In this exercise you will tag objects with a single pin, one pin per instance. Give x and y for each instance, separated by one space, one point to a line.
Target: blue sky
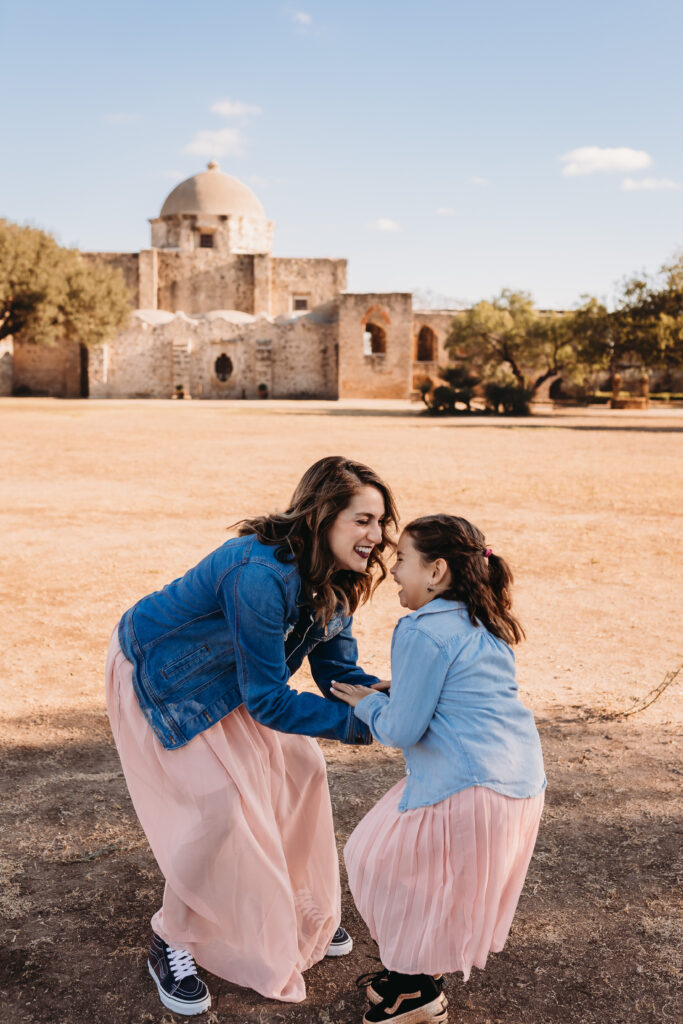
422 141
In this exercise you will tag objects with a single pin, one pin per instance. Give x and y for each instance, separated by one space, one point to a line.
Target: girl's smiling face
420 581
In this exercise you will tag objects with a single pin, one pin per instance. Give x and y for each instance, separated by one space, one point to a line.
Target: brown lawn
103 502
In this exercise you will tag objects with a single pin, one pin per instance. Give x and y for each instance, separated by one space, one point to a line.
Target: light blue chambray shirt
454 709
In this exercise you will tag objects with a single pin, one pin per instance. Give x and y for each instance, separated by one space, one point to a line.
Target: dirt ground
105 501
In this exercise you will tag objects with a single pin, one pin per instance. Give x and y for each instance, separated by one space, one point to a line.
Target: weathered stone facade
222 354
215 315
59 369
430 330
375 339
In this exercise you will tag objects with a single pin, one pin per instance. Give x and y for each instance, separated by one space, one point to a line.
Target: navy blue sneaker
341 944
176 978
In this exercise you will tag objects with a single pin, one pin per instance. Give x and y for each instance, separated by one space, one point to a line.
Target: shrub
508 399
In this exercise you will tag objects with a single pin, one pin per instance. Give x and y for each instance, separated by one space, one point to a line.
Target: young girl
437 866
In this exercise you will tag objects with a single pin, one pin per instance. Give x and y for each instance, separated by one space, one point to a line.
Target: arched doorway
426 345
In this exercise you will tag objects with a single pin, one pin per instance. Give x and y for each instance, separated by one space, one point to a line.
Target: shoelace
181 963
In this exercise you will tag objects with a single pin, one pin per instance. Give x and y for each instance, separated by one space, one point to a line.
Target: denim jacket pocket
179 669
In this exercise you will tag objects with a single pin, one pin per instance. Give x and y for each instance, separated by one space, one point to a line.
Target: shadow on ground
595 937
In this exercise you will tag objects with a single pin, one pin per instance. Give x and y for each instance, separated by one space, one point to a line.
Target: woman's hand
350 694
384 685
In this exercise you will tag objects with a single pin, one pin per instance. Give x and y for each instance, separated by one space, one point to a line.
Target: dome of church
213 192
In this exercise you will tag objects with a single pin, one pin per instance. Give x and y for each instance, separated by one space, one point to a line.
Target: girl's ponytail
500 581
480 579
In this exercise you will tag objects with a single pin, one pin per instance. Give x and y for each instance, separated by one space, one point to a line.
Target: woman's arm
253 601
338 659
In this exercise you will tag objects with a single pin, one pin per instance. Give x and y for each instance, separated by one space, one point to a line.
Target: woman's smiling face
357 530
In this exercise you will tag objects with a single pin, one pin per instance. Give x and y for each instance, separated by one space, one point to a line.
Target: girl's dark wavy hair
300 533
482 584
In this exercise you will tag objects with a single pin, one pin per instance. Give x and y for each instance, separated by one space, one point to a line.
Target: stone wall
230 233
138 363
318 280
200 281
294 357
439 321
383 375
47 369
305 360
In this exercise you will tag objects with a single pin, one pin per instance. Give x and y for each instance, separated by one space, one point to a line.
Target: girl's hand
350 694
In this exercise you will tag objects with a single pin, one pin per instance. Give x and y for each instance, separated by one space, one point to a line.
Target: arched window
223 367
374 340
426 345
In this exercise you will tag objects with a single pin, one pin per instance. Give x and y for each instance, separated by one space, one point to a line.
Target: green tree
508 340
644 329
48 293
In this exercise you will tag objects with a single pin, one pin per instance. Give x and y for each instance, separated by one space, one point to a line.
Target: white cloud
235 108
301 20
384 224
648 184
224 142
445 211
119 118
479 181
593 159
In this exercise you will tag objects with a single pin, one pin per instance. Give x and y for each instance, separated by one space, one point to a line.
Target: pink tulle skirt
240 823
438 886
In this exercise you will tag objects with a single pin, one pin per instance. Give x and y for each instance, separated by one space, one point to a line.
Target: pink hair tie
488 553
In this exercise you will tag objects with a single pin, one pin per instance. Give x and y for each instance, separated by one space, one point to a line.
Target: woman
229 788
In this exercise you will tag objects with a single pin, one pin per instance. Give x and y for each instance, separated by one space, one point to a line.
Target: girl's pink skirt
438 886
240 823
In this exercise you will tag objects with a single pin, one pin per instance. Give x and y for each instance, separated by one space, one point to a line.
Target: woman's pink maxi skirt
438 886
240 823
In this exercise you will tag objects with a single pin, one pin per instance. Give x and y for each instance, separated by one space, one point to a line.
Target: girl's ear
439 570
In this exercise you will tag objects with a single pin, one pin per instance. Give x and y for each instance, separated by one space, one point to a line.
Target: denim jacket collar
437 604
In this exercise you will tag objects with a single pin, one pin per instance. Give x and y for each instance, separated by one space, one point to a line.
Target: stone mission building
216 315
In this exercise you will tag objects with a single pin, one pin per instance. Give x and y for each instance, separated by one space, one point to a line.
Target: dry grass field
103 502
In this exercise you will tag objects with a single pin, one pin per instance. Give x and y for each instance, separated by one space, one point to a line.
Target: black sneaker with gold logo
409 999
375 984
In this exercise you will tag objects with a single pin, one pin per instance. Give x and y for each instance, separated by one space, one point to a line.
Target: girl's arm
254 604
418 665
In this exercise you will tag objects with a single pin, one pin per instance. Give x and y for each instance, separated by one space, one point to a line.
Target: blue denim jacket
454 709
230 632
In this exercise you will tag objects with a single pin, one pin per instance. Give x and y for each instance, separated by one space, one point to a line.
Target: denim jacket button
407 771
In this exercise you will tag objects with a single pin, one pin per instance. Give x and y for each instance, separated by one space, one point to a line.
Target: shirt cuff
365 707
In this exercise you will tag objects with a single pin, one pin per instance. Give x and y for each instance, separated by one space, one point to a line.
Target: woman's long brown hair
482 583
300 533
